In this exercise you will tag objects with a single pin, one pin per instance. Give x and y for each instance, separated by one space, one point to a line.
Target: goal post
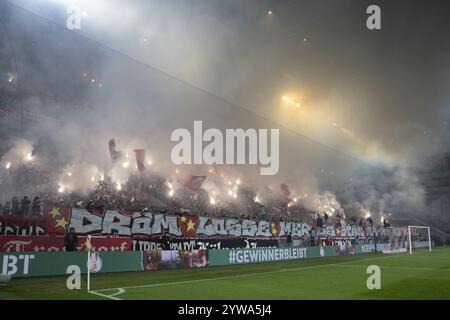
419 237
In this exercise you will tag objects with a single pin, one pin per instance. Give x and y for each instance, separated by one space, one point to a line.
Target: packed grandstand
139 214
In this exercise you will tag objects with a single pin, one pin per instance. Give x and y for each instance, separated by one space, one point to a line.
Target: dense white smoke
77 95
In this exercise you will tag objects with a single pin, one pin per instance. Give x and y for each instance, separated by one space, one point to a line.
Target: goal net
419 237
393 239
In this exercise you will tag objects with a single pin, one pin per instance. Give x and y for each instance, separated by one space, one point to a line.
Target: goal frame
409 237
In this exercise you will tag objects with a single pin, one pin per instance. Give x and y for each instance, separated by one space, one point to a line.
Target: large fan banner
56 222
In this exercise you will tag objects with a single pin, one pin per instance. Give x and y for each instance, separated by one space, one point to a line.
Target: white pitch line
233 277
213 279
104 295
119 291
388 267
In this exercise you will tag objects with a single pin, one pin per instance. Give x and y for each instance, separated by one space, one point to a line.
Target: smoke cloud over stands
373 104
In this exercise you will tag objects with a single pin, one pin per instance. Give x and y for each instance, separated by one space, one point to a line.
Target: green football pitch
422 275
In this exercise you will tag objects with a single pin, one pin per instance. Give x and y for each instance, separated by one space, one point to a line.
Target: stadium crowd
153 198
152 193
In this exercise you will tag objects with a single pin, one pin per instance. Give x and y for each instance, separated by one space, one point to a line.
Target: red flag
194 183
275 228
140 159
57 219
189 225
286 191
114 154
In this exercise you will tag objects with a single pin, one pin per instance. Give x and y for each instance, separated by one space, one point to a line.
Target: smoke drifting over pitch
373 104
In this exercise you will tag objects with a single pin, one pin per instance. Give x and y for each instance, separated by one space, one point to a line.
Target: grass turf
423 275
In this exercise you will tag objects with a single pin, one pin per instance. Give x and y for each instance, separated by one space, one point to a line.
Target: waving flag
115 155
140 159
188 225
57 219
275 228
194 183
286 191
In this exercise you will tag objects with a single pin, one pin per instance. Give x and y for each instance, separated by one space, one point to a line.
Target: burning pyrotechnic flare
212 201
171 192
290 101
29 157
126 164
61 188
118 186
8 165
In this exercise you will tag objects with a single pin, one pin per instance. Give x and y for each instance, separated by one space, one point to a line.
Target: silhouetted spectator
15 206
165 241
325 217
90 206
289 239
25 206
312 235
262 212
319 221
7 208
71 240
36 207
